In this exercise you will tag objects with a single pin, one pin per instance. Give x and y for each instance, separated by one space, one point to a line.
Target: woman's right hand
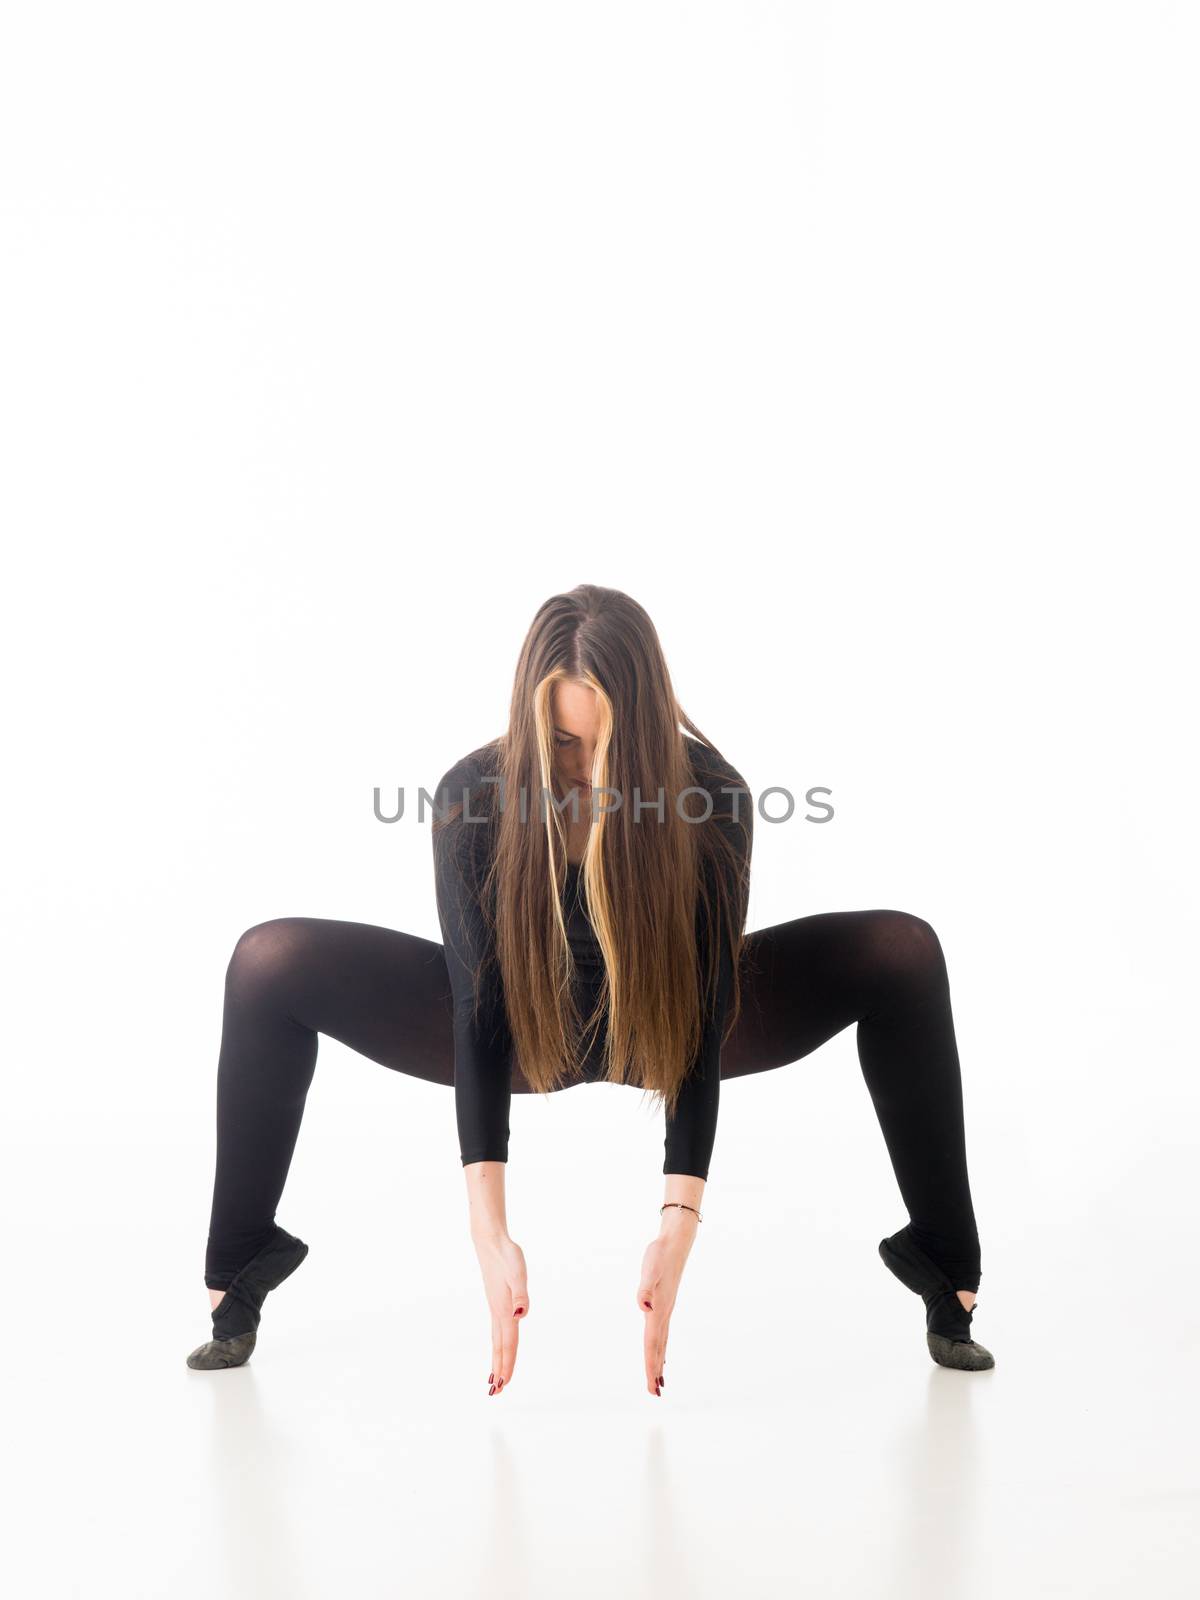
502 1262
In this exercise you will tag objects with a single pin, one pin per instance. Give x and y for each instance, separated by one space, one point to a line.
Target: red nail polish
500 1385
491 1377
492 1390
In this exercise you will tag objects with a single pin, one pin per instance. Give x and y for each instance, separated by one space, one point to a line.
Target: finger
653 1344
509 1338
508 1347
497 1355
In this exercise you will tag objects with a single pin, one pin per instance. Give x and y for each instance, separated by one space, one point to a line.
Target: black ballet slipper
237 1316
947 1322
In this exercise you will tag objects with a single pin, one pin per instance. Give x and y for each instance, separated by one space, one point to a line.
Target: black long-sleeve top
483 1048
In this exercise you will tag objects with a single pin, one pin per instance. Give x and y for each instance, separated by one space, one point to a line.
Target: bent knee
265 951
905 944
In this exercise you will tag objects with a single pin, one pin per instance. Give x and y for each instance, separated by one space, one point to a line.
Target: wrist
487 1224
485 1199
681 1190
677 1219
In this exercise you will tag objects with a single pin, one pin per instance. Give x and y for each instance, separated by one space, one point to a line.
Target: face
576 723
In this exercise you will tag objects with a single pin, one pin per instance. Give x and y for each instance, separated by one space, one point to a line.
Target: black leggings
386 994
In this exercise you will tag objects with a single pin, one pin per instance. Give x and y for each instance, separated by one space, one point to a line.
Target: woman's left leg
804 981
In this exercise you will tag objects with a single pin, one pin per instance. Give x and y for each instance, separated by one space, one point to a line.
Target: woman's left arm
662 1269
689 1143
691 1131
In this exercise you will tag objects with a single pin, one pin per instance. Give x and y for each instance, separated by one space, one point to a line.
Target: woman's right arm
482 1061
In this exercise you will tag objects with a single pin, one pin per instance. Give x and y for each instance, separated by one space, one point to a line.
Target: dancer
592 871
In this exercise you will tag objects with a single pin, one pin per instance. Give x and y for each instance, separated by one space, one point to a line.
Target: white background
859 344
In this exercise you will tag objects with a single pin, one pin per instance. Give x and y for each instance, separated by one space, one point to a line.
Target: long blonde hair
646 887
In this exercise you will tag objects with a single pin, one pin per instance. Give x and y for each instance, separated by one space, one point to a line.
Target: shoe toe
217 1353
964 1354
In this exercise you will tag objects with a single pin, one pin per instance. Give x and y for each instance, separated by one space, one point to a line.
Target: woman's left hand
662 1269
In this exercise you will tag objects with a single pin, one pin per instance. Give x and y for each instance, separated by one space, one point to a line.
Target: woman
592 872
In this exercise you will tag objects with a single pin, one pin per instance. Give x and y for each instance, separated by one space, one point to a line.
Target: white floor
805 1442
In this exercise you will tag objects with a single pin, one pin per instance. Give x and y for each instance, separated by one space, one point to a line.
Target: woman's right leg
384 993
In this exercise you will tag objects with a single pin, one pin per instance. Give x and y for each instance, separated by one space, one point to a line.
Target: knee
905 946
263 953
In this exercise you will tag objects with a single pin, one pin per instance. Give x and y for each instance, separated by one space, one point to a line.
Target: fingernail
491 1377
500 1385
492 1390
661 1381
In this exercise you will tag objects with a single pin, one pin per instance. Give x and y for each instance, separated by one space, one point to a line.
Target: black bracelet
682 1204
